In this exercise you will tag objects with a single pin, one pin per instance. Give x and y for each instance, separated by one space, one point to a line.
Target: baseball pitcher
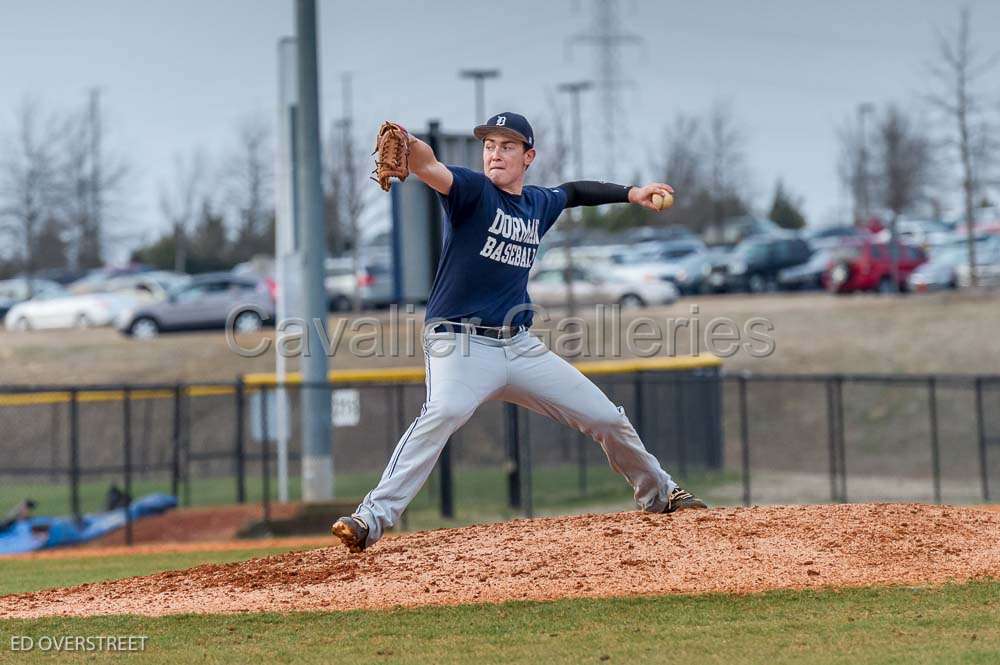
477 344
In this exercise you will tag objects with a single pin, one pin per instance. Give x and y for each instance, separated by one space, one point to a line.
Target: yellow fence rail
377 376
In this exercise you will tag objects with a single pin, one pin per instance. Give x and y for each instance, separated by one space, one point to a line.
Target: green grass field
953 624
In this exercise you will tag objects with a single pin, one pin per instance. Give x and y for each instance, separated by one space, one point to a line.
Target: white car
924 233
58 308
987 266
555 257
602 286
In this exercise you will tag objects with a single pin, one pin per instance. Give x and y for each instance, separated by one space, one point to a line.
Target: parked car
376 285
58 308
923 233
869 268
658 234
835 236
685 264
340 283
668 251
96 280
734 230
597 286
987 266
941 269
755 263
146 286
19 289
554 257
203 303
718 258
809 275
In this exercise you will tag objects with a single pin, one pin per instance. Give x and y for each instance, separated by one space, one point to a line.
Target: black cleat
352 531
681 499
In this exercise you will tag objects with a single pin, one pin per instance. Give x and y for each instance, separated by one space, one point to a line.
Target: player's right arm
425 165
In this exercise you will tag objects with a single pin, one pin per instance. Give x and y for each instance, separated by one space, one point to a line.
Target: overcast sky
177 75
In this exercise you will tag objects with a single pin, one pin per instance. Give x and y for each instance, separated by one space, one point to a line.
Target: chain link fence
732 438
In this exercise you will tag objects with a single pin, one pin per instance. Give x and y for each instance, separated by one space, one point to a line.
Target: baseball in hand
663 202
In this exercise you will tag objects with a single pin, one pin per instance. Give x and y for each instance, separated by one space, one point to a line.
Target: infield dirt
730 550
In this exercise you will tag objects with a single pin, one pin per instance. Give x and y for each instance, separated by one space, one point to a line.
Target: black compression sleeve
594 193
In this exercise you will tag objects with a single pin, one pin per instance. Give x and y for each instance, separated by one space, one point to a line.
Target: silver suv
206 302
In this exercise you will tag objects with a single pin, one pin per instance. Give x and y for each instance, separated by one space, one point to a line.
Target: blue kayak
39 533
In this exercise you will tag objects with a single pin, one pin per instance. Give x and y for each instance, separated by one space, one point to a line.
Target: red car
868 267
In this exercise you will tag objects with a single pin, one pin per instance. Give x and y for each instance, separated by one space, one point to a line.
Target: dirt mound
737 550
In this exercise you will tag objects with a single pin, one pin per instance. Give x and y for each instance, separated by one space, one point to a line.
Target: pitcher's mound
737 550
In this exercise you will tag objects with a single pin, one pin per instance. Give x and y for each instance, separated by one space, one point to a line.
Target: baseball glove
392 148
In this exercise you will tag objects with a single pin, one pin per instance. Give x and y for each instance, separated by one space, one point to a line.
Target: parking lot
939 332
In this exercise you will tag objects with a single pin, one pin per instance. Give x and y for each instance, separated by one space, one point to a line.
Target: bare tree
725 155
248 177
92 178
181 201
957 71
551 166
29 182
853 163
905 168
682 164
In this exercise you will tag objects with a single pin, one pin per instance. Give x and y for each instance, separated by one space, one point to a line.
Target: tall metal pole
480 76
574 89
287 257
317 463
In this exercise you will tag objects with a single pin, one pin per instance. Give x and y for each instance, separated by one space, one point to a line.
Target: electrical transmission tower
607 36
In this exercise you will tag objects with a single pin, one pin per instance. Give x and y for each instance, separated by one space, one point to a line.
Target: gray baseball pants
462 372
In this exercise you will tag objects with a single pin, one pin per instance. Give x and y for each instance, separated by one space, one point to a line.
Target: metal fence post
186 445
981 434
679 434
528 474
175 464
265 469
54 444
842 445
513 456
935 452
744 439
74 453
831 438
241 478
127 445
637 387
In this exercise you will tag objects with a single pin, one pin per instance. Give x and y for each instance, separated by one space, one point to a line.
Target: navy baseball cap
514 124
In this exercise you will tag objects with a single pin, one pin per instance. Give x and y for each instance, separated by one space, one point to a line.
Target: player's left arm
595 193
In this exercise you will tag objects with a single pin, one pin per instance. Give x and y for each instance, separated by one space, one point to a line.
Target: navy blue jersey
491 238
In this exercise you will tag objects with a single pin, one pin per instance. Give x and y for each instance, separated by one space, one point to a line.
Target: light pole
480 76
574 89
317 462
